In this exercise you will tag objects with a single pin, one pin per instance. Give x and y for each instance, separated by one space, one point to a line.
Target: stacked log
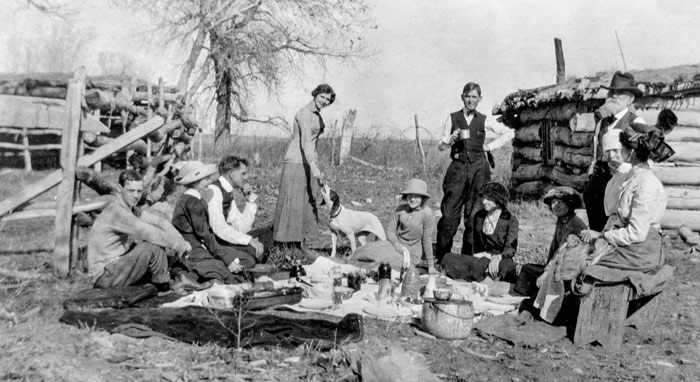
119 104
552 146
680 174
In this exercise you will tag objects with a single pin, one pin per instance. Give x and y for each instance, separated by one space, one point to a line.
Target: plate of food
315 304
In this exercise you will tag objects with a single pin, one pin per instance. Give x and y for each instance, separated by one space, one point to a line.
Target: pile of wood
554 128
115 104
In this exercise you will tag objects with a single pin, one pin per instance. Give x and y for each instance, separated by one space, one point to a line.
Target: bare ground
35 346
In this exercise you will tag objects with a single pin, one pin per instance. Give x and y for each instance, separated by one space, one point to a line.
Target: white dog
353 224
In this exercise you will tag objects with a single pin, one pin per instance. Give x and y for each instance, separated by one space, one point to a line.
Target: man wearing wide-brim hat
621 94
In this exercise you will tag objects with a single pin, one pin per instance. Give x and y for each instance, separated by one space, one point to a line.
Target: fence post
66 189
346 135
419 143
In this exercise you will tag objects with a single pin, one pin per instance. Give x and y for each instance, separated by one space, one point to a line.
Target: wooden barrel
448 319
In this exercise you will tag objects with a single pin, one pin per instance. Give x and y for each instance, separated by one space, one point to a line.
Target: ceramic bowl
442 294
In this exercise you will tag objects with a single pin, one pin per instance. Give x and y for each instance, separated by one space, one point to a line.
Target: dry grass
38 347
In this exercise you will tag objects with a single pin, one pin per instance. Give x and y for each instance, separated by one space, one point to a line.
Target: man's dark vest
227 197
474 148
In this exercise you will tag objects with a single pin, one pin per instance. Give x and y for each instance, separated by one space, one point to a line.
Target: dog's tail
378 229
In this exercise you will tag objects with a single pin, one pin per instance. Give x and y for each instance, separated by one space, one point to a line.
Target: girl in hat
412 226
495 240
562 201
411 230
209 258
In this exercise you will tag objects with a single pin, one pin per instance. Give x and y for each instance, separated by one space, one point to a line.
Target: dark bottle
384 271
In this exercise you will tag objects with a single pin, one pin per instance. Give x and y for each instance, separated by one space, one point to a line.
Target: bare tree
240 46
119 63
60 50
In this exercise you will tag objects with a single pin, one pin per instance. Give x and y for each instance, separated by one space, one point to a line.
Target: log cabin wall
554 128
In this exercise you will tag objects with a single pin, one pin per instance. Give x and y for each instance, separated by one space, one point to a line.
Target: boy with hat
562 201
621 94
125 245
464 133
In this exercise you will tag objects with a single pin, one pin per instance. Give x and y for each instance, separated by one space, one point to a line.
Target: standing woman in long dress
296 215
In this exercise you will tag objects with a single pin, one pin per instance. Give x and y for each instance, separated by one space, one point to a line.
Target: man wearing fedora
616 115
464 133
230 223
126 247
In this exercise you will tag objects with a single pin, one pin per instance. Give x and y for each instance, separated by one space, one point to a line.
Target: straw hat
192 171
416 186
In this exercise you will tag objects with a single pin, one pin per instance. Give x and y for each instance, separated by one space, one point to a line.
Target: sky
426 50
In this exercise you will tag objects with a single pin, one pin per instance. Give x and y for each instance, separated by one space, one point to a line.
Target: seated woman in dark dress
495 240
209 259
562 201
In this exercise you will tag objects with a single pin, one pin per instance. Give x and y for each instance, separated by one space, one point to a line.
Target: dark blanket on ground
519 331
201 325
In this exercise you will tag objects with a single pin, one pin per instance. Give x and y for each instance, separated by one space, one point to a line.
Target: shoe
183 284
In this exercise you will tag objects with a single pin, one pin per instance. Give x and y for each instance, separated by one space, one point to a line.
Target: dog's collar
336 212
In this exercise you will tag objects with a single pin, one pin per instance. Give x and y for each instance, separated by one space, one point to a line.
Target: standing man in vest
621 93
228 222
464 133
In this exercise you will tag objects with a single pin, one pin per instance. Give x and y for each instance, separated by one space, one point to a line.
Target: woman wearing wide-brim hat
563 202
209 258
410 230
495 240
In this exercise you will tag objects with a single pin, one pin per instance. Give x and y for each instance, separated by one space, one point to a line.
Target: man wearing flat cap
464 133
621 94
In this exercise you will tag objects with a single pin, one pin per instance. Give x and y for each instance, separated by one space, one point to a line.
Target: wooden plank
601 316
25 146
27 154
66 190
51 212
15 130
561 65
51 180
678 176
42 113
674 219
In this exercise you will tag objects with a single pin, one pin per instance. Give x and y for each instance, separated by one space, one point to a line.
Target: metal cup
463 134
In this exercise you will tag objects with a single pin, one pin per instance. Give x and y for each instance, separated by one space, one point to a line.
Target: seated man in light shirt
127 247
229 223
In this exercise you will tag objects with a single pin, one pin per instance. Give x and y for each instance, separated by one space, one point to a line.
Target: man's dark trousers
461 192
594 196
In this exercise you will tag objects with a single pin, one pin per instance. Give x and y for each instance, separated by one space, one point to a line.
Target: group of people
210 235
